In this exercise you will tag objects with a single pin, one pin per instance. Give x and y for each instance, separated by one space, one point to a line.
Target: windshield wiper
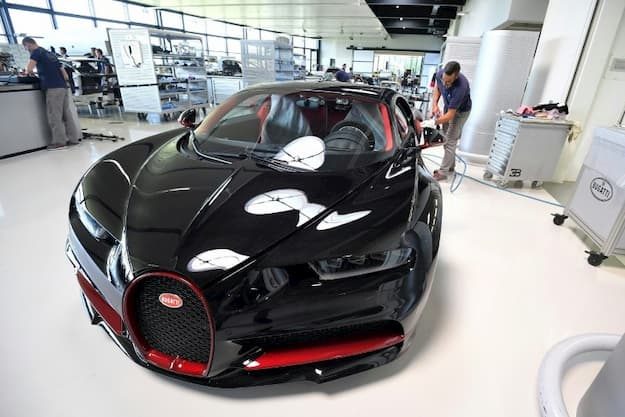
203 155
274 164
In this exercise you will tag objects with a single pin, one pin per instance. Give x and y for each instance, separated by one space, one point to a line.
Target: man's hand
436 111
431 123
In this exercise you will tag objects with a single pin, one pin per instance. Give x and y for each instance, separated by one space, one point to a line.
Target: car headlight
94 228
351 265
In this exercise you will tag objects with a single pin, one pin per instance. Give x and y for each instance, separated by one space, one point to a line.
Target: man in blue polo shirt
456 92
60 109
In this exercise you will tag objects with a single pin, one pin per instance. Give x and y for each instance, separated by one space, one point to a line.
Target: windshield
350 130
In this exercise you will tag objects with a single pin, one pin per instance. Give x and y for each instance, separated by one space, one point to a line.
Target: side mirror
431 138
187 118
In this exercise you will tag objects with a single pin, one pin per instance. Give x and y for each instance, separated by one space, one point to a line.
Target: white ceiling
324 18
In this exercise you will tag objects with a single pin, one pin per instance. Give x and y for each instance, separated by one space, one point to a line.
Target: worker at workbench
60 108
456 92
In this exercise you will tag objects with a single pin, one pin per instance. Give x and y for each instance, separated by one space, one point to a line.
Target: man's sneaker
73 143
56 147
438 170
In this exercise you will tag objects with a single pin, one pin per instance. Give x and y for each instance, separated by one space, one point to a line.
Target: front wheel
433 217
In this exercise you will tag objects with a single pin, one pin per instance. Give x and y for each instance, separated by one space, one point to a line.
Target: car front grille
286 339
183 332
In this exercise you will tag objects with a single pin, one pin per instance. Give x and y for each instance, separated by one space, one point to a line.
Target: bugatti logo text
601 189
170 300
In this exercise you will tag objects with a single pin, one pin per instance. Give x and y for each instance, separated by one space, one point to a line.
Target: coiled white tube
553 366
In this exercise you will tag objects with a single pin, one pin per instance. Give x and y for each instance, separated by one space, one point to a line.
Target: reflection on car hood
197 216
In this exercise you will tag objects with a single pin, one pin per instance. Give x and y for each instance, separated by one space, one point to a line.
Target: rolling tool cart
598 203
526 149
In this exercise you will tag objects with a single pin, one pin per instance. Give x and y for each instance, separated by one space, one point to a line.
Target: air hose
460 176
553 367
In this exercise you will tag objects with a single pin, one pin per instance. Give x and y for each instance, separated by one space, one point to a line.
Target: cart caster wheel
487 175
518 184
596 259
503 184
558 219
537 184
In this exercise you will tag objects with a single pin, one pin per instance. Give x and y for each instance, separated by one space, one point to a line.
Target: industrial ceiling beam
428 31
455 3
414 12
414 24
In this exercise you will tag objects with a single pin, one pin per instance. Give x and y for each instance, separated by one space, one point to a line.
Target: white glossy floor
509 286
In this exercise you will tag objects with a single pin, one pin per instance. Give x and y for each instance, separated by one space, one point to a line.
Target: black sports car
291 235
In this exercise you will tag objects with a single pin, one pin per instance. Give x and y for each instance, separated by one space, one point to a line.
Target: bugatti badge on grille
170 300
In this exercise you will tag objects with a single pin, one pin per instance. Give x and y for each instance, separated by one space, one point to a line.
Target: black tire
433 216
558 219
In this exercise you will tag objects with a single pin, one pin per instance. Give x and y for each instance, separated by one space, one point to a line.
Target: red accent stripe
319 352
108 314
158 358
175 364
388 131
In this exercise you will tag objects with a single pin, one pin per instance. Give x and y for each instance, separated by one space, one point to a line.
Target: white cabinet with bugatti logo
598 203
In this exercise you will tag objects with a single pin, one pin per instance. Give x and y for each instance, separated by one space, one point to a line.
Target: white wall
563 66
528 11
482 16
597 97
337 48
559 49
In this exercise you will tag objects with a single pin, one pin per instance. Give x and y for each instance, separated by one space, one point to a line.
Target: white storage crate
598 203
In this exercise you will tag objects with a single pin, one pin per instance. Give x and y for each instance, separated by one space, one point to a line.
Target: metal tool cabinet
598 203
526 149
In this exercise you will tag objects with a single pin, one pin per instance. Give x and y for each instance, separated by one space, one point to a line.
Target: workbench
23 120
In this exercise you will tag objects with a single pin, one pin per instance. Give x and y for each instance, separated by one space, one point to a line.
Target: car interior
345 123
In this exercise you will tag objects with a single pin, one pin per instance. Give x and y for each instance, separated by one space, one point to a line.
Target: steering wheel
350 134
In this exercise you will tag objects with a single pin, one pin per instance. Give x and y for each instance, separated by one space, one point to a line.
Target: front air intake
170 321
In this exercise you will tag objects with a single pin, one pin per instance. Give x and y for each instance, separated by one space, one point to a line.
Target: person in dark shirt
61 112
342 76
456 92
91 54
104 65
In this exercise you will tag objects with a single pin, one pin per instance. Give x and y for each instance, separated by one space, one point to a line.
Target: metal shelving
167 81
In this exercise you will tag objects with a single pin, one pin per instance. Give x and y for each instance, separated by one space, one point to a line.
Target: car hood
203 217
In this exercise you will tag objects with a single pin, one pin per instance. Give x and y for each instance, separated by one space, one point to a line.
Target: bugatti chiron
290 235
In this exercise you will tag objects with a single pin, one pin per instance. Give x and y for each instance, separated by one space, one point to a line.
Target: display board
362 62
132 56
144 99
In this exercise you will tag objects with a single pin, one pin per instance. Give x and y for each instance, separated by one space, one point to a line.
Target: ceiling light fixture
397 7
401 18
403 27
